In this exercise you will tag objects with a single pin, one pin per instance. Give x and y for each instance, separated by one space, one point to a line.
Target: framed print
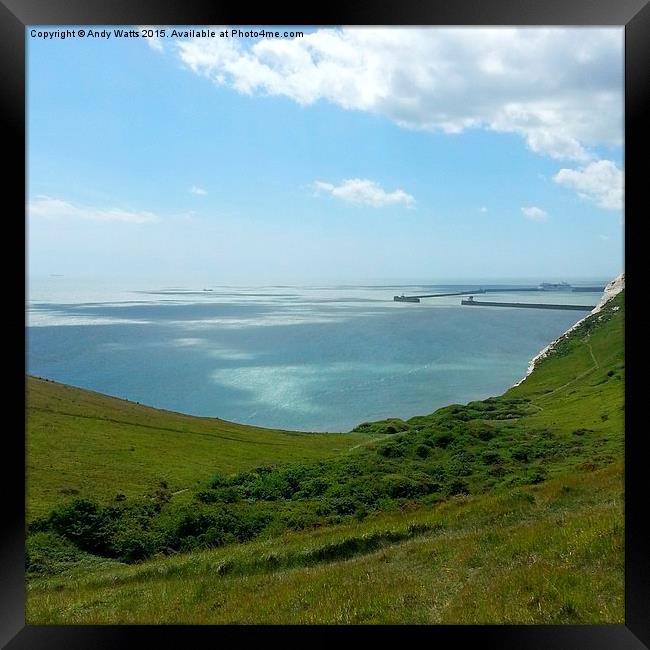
325 323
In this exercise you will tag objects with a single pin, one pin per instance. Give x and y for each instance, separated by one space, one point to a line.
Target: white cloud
50 208
198 190
561 89
600 182
483 209
366 192
154 42
534 214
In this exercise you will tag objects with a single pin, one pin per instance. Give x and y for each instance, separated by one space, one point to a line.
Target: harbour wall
526 305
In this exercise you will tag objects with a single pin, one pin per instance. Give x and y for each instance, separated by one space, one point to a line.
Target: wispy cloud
600 182
365 192
534 213
198 190
51 208
483 209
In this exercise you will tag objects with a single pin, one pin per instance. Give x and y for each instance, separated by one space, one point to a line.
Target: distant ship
555 286
404 298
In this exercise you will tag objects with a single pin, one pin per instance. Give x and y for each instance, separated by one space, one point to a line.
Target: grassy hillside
550 553
81 442
504 510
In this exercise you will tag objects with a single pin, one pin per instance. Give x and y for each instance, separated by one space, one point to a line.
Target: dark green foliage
85 524
136 532
131 539
387 427
482 430
520 454
312 487
392 450
491 457
536 476
209 496
49 552
457 486
443 440
396 487
422 451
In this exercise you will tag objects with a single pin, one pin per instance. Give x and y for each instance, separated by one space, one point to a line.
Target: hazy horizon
206 282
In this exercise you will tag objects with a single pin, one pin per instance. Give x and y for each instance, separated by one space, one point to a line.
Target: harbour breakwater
525 305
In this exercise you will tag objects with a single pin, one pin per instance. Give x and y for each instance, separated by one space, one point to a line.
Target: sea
317 358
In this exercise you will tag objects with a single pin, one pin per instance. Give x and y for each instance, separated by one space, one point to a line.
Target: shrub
388 427
48 553
131 542
398 487
291 478
480 429
85 524
491 457
391 450
207 496
312 488
299 520
460 464
265 487
345 506
220 495
208 529
457 486
443 440
520 454
422 451
538 475
218 481
161 495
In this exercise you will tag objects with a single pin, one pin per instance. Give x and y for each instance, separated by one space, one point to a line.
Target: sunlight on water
318 358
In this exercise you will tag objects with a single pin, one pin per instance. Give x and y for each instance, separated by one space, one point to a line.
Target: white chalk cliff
611 290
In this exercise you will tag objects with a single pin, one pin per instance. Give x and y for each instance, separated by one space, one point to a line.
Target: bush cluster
455 451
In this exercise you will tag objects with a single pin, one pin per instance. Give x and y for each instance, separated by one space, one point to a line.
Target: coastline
611 290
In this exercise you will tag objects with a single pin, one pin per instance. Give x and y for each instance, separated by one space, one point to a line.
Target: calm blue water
313 359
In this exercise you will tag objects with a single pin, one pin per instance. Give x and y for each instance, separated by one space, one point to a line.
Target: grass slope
81 442
508 510
551 553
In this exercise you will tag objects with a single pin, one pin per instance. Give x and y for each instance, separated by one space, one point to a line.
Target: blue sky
344 156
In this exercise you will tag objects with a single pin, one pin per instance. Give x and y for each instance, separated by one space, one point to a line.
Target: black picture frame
634 15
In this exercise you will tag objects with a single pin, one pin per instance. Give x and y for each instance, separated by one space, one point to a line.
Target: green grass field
508 510
81 442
